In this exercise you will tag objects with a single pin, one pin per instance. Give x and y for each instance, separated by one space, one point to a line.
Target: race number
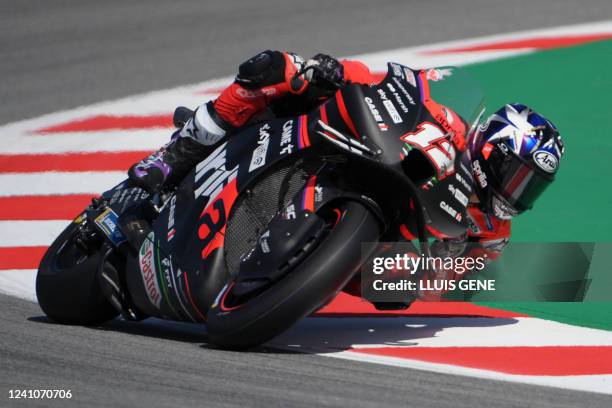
436 144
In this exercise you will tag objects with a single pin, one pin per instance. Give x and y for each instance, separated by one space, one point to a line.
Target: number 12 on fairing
435 143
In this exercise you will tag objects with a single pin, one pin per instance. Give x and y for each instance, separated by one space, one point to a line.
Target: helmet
514 157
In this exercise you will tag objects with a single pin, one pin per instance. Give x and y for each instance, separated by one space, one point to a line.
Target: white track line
83 142
30 233
19 283
53 183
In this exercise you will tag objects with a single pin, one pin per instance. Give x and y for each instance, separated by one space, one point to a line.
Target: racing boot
165 168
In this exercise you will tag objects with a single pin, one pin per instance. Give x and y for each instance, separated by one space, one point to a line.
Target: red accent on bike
521 360
222 301
345 115
323 111
406 233
64 207
339 215
195 307
439 112
228 196
111 122
308 203
21 257
305 134
486 150
101 161
435 232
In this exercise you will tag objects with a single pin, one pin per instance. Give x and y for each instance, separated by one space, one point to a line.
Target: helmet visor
519 184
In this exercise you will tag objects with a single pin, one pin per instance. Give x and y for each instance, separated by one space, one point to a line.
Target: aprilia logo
212 170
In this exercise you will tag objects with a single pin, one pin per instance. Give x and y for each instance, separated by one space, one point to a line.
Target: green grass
572 87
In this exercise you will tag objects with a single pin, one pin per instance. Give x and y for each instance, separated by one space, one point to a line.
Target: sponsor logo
318 194
171 230
375 113
432 141
397 70
214 174
501 209
546 161
289 213
259 154
450 211
285 143
398 99
458 194
147 270
410 78
404 91
437 74
107 221
463 181
472 225
395 116
504 148
481 178
167 270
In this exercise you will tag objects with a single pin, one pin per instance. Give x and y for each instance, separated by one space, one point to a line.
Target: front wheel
320 275
67 285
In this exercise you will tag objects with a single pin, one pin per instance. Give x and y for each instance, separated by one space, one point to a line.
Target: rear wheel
238 322
67 284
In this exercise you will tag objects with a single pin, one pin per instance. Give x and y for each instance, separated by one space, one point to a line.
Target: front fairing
412 124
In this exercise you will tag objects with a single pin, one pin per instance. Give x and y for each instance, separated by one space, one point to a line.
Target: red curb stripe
21 257
350 306
555 360
63 207
542 43
111 122
99 161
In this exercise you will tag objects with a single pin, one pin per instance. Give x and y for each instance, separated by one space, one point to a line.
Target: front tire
319 277
67 283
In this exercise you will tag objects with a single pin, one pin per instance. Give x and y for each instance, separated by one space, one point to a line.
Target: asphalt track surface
61 54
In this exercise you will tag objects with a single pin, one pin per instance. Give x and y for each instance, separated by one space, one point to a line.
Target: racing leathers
262 83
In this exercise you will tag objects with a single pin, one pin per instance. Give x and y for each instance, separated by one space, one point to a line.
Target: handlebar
337 84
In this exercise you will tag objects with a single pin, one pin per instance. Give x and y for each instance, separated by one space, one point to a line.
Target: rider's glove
328 72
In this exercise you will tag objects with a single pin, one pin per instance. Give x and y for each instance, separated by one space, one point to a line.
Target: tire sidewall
72 296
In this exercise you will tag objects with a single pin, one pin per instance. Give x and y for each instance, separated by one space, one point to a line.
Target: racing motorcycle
268 228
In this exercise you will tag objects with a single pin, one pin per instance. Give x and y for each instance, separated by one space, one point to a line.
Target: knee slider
264 69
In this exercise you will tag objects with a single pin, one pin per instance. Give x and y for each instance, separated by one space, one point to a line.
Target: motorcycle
268 228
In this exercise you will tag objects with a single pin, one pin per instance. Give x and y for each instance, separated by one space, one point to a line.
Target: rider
513 155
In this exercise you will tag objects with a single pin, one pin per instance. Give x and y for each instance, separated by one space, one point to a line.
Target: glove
328 71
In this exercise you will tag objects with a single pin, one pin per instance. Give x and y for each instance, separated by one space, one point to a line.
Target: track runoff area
52 165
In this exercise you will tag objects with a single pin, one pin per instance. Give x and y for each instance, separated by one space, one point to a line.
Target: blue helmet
515 155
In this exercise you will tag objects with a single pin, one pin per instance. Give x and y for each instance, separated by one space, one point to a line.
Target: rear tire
319 277
67 283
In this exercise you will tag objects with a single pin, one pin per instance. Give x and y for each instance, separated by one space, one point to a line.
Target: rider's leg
266 77
166 167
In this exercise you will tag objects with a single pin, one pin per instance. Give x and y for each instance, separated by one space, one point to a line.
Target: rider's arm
262 79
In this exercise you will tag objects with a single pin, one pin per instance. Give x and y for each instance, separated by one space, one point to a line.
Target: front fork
116 236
